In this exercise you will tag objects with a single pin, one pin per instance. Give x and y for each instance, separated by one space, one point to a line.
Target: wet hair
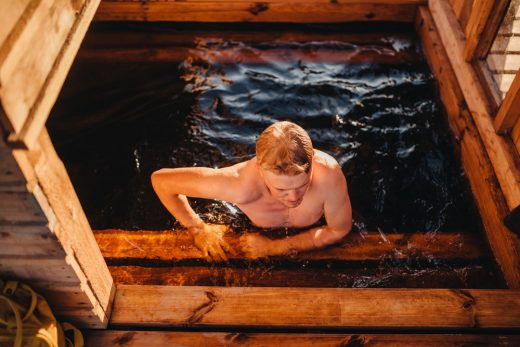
284 148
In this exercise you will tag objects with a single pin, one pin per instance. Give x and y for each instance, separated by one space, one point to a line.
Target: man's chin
292 204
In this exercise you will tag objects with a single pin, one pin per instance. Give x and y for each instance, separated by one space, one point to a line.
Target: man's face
289 190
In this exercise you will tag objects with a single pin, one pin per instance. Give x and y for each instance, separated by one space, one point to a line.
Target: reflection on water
372 106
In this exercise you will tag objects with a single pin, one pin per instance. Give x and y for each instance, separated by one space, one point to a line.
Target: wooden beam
462 9
118 246
132 338
488 83
238 55
503 156
429 275
509 112
34 68
488 195
491 29
278 11
166 306
479 16
156 35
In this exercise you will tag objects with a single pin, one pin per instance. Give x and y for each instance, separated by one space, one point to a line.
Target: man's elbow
156 179
341 233
334 235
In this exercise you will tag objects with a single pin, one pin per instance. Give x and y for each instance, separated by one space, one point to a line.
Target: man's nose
292 195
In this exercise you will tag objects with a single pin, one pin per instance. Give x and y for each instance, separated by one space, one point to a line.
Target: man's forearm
179 207
311 239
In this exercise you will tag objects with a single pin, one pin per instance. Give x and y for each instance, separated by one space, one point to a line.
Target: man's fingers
209 259
228 248
221 253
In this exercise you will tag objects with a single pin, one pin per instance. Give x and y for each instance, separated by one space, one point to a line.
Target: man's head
284 154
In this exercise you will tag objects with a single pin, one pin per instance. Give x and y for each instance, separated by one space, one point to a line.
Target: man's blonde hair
284 148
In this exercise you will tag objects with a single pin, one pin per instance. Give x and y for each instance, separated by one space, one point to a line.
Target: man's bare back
270 199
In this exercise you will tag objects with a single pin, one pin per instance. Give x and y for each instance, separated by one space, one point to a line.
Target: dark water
118 122
372 105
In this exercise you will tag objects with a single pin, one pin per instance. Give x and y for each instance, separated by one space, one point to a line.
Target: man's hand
255 246
209 238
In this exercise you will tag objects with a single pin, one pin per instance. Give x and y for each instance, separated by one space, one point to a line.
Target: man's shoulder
325 162
246 180
326 169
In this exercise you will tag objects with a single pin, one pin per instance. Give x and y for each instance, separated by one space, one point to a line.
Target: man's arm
338 214
173 185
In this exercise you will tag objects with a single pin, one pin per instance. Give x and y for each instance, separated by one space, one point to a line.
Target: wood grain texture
515 135
132 338
165 306
509 112
72 228
292 11
239 55
479 17
491 29
172 246
503 156
484 185
82 12
319 276
462 9
25 67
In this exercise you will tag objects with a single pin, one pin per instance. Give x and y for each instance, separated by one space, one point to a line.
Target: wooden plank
499 63
509 112
488 83
172 246
478 19
488 195
37 269
24 69
27 240
320 276
505 44
132 338
84 11
72 228
462 9
451 95
293 11
515 135
20 207
511 28
166 306
10 15
238 55
11 178
156 35
504 81
504 158
488 35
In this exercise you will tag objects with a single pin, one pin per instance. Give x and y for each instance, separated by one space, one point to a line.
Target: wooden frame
257 339
27 60
57 213
502 154
293 11
161 306
509 112
488 195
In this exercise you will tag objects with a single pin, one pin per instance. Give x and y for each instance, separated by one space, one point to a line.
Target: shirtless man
287 184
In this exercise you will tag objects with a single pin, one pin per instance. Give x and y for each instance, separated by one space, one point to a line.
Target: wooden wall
488 59
44 235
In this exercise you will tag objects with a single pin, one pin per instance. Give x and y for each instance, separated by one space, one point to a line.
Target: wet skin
268 199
